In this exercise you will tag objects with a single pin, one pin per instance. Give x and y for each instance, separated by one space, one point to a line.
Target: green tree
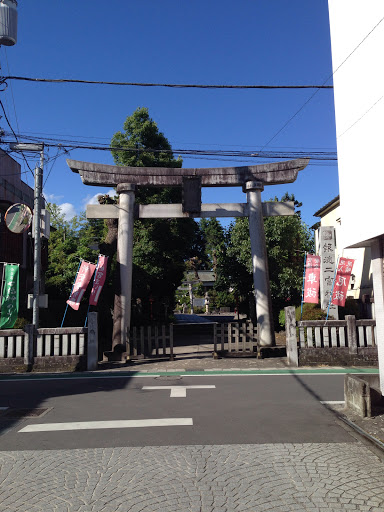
69 242
161 247
287 239
213 240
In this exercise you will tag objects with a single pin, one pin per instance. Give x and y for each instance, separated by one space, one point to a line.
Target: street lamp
39 148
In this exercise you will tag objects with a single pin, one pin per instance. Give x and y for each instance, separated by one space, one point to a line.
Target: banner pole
2 286
302 290
333 285
66 309
93 282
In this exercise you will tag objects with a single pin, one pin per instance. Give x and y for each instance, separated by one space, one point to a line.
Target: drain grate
26 413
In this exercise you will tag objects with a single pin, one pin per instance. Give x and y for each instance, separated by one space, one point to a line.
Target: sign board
327 268
45 224
43 301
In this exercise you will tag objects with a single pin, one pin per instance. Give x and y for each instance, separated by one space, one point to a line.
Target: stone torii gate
251 178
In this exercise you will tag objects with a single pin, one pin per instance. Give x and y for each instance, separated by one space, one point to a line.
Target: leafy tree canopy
161 247
141 144
287 239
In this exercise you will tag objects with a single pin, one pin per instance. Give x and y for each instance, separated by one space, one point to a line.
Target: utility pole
37 238
38 190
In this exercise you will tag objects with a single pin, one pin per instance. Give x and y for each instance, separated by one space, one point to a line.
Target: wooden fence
148 341
236 338
348 341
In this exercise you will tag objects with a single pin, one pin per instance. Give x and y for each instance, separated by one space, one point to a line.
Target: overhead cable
323 85
175 86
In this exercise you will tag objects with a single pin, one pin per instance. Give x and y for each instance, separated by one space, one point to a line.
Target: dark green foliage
351 308
69 243
310 312
161 247
287 238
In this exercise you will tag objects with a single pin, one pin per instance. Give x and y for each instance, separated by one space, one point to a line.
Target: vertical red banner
84 275
340 287
312 279
98 283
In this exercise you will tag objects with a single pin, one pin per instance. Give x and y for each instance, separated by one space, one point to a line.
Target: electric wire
14 134
328 156
325 81
361 117
175 86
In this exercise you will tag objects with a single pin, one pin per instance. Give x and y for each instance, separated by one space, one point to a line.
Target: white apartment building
357 41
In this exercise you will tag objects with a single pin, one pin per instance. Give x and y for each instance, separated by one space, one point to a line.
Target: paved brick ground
253 478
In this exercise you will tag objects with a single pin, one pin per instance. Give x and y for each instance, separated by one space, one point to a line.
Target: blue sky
176 41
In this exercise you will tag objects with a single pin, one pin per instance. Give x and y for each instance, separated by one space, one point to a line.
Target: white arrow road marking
91 425
178 391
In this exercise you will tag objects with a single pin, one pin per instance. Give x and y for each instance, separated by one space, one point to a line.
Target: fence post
215 355
29 344
92 348
172 357
351 333
291 338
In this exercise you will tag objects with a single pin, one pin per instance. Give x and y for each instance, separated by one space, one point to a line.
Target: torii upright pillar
122 313
265 329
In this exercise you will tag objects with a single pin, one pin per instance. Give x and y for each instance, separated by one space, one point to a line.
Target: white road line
332 402
177 391
92 425
208 374
81 377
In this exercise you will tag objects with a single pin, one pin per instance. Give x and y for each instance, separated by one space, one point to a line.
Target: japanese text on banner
98 283
312 279
82 280
343 275
10 300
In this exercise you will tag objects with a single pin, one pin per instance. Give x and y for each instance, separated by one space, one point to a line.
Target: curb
182 373
362 432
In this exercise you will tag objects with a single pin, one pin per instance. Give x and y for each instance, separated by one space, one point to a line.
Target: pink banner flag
343 275
82 280
312 279
98 283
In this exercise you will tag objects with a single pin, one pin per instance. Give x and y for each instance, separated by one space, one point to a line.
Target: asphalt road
243 444
255 409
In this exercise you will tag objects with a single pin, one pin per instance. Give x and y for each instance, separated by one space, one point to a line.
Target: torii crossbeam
251 178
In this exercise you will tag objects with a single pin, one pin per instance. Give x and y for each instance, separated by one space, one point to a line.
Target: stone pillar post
260 264
126 193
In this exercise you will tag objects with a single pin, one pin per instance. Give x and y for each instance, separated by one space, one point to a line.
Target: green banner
10 301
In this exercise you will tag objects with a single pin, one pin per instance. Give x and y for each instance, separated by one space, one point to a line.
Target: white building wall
357 42
361 284
357 56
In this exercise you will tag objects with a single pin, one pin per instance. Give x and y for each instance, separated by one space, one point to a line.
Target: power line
323 85
314 155
14 134
14 109
361 117
175 86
